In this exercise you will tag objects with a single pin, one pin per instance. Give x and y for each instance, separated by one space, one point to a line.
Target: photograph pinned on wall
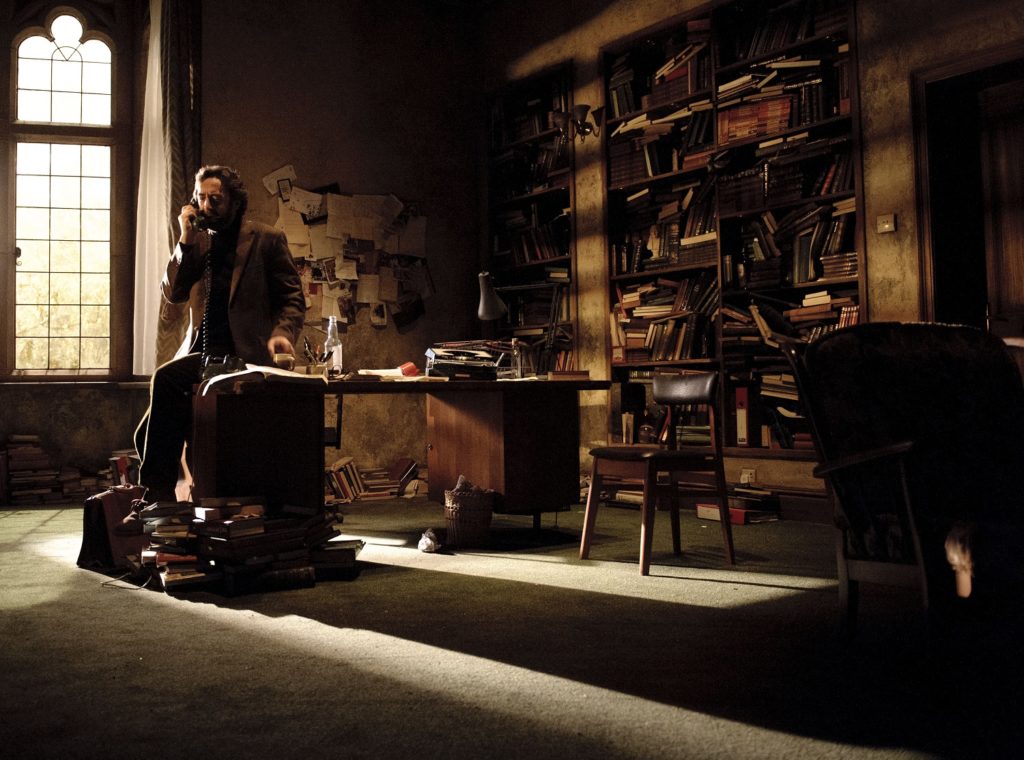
315 212
344 292
284 189
328 269
272 181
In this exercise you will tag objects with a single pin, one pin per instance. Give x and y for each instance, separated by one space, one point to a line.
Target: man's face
215 204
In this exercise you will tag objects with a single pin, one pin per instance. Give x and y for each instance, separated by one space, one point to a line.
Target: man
244 299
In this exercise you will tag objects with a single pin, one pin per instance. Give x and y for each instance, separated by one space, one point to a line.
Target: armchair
919 430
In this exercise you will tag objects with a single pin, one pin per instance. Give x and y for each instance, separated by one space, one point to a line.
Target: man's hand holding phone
190 219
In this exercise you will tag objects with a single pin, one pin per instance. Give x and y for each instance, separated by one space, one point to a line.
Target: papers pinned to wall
366 250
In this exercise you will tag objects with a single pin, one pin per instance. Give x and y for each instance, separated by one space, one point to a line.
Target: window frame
113 25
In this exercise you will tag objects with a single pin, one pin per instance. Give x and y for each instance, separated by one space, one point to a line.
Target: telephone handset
200 221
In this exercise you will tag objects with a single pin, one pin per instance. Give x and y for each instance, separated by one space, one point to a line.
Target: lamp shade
491 305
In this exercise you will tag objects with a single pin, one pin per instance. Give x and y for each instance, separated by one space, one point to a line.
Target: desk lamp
491 306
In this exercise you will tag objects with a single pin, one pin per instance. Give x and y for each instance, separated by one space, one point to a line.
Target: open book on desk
262 372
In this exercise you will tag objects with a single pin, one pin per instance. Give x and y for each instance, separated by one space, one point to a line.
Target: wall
372 96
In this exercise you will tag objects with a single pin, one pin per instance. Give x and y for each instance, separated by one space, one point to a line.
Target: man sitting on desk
244 299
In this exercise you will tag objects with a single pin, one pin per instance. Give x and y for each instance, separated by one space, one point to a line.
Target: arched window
65 142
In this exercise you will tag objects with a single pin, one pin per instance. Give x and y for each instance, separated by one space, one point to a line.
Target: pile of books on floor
233 543
29 474
747 504
346 482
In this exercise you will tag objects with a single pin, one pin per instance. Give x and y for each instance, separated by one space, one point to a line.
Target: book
737 515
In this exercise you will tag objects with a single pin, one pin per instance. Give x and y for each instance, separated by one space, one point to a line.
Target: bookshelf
733 205
530 218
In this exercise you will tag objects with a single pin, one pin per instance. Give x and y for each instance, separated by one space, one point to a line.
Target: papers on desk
264 372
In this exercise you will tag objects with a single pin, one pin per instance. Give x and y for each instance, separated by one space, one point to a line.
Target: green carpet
516 650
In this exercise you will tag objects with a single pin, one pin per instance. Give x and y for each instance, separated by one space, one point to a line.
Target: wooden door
1002 146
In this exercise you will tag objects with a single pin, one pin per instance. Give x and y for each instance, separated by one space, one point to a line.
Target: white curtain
152 236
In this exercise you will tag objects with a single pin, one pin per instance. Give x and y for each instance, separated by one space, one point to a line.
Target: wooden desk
519 438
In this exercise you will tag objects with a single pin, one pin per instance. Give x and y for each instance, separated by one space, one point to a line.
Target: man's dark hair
229 181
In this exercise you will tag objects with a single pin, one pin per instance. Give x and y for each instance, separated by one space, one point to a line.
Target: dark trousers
166 426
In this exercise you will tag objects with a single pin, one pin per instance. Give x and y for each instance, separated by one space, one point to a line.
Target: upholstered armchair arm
870 456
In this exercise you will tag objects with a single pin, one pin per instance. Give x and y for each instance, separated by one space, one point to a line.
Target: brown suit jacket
266 292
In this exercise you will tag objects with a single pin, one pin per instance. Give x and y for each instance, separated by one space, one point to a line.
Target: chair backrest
953 391
689 388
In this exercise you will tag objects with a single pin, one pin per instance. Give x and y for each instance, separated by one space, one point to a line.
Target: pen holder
316 368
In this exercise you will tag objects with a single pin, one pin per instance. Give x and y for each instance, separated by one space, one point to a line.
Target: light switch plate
885 223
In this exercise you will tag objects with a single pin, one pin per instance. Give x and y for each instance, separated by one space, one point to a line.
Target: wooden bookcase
733 204
531 218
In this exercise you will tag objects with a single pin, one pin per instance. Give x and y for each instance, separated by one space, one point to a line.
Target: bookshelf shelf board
660 109
532 196
541 262
661 177
660 272
818 42
819 199
815 125
545 134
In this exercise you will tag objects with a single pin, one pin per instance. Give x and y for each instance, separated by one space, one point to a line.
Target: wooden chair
918 431
686 470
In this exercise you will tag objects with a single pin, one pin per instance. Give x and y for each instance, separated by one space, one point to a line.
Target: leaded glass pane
95 225
65 256
65 224
33 158
96 78
95 192
33 191
96 321
67 108
31 353
34 74
65 321
32 320
33 105
96 288
65 288
35 255
33 223
96 110
95 161
67 75
64 353
32 287
66 160
94 51
95 353
66 192
96 257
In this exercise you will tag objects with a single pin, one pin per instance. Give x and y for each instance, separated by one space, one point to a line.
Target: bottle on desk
333 348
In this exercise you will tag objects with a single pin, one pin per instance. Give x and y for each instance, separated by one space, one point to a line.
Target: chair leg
723 515
673 511
647 511
590 515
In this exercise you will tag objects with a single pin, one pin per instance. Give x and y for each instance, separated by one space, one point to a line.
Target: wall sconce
491 306
576 124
